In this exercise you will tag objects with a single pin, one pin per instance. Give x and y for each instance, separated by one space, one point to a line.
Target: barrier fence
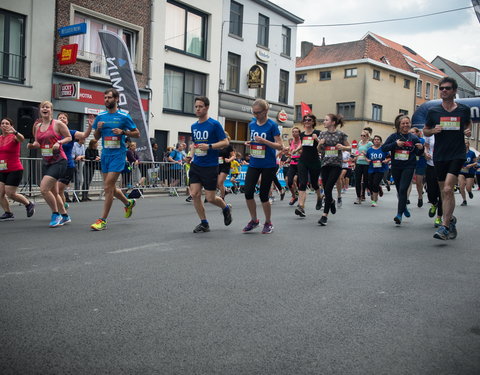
152 177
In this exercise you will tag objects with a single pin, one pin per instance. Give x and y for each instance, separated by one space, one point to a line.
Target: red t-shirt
9 154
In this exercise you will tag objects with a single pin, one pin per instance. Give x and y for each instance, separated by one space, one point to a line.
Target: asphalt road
147 296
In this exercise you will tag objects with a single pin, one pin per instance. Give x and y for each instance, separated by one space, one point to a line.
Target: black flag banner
120 70
476 6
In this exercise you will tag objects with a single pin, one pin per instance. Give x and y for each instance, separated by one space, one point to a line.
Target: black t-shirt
450 142
224 153
309 147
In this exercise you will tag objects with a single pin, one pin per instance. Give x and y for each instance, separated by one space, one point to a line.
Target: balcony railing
12 67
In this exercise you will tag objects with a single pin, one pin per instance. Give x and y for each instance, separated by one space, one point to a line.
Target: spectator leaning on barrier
78 154
92 159
176 159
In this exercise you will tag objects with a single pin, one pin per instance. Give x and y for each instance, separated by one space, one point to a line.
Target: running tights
330 176
433 189
251 179
374 180
361 179
304 170
402 179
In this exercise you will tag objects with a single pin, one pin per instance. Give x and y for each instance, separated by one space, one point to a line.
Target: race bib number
377 163
330 151
47 151
450 123
307 141
464 170
111 142
199 152
220 160
361 157
258 151
3 165
402 155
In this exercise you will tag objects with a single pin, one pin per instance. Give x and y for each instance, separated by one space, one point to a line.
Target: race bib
258 151
307 141
3 165
464 170
450 123
402 155
199 152
47 151
377 163
361 157
220 160
330 151
111 142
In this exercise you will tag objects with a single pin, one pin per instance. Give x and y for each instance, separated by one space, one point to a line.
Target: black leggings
402 178
361 179
275 180
433 189
292 172
374 180
304 170
251 179
330 176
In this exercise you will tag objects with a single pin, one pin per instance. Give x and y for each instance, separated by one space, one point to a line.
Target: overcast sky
455 35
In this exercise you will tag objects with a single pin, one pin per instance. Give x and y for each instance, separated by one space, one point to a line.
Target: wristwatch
210 146
15 132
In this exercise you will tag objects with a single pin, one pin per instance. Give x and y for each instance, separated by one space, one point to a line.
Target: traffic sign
70 30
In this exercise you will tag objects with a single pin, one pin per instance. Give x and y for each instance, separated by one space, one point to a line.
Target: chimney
306 47
323 42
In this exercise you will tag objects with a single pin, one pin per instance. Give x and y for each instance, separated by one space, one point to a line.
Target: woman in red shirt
11 169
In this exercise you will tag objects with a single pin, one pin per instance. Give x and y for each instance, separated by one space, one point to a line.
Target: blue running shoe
398 219
441 233
66 219
452 230
56 221
406 212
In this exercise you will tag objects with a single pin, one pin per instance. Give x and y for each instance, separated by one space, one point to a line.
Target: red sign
68 54
282 116
67 90
354 144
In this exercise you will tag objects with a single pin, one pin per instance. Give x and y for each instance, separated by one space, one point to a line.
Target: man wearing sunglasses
450 122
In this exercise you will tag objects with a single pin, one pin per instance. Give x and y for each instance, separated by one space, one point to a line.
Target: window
236 19
376 112
233 72
12 47
403 112
352 72
263 25
286 40
283 88
261 91
406 83
90 47
326 76
419 88
346 109
298 112
393 78
301 78
435 92
376 75
427 90
185 29
180 87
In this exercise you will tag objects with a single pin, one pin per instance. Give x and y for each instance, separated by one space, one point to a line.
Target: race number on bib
3 165
47 151
330 151
377 163
402 155
307 141
220 160
450 123
199 152
258 151
111 142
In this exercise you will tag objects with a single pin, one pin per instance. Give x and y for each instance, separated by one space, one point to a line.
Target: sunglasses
363 135
446 88
307 120
258 113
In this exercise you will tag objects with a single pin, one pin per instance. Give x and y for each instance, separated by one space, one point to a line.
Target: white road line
157 245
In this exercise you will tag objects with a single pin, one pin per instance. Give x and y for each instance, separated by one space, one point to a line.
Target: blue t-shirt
261 155
470 156
114 144
421 161
210 131
177 156
376 157
68 149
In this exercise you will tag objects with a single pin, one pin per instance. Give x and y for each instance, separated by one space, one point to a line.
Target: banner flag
305 109
120 70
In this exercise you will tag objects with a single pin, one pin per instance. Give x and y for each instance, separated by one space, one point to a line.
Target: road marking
147 246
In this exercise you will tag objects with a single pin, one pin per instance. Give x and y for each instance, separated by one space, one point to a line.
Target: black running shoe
319 204
470 195
300 211
420 203
333 209
201 228
227 215
323 221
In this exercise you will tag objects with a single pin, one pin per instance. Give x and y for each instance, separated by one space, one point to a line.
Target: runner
65 180
264 140
48 137
466 178
419 178
11 169
433 189
343 179
292 179
112 126
450 122
361 166
331 144
378 160
309 165
208 137
404 148
225 157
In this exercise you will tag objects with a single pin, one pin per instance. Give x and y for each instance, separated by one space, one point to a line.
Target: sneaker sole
98 229
9 219
299 213
440 237
397 220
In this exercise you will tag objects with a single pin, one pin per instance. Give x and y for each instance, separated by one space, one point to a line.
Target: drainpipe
150 64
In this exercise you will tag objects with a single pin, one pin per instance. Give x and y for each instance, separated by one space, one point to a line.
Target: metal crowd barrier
152 177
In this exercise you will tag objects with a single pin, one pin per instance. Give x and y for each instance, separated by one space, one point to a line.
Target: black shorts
56 170
205 176
468 175
442 168
70 172
349 172
224 168
11 178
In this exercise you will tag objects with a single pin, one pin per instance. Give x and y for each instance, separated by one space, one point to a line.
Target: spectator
92 159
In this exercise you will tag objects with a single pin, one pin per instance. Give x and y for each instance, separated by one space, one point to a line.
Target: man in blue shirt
208 137
112 126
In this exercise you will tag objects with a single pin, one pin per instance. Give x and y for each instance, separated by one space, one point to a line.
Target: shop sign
282 116
255 77
67 90
263 55
68 54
